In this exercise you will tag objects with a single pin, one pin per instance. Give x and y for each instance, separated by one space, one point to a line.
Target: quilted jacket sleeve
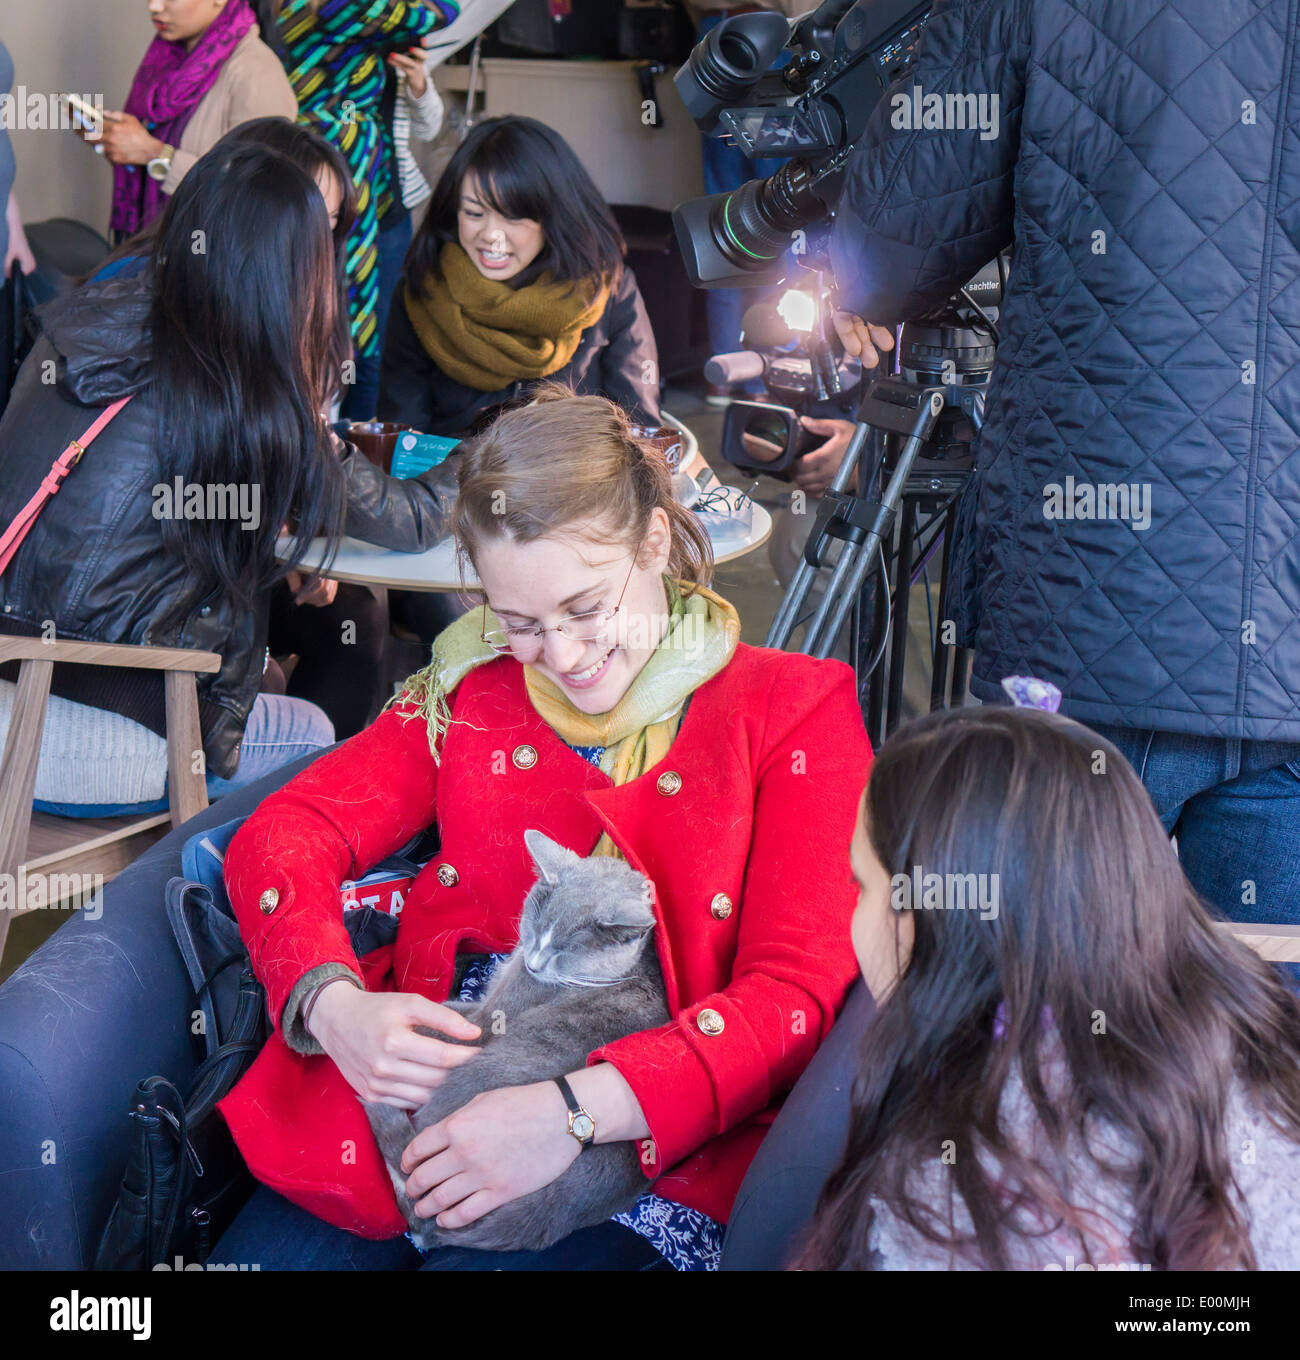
340 816
925 208
794 957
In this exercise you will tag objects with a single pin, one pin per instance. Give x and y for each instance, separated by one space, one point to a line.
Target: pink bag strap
50 483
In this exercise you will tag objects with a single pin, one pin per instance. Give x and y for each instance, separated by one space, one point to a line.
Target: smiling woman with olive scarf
516 275
611 704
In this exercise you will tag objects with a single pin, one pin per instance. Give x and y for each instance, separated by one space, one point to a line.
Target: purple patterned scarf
164 94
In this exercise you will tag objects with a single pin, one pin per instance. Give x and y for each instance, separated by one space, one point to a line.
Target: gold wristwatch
581 1125
161 163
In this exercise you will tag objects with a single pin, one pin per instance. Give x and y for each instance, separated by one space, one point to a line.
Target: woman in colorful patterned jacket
335 53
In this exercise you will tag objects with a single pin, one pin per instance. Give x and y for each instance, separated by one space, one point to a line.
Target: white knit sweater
1265 1163
92 756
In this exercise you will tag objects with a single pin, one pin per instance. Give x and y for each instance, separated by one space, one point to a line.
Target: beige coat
251 84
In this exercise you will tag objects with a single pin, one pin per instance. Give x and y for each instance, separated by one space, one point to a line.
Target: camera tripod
921 478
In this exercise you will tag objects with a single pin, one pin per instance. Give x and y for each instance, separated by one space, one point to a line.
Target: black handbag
184 1180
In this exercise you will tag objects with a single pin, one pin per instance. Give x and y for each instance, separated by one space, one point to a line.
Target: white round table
436 568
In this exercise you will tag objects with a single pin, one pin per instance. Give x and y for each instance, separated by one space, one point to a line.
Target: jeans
274 1234
279 729
1234 807
363 396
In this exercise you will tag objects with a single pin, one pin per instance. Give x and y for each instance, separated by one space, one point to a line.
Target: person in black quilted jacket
1132 529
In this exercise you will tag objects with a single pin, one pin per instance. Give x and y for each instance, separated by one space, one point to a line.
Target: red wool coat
748 849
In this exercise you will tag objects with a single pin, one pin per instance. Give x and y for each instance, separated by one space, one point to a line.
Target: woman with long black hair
227 345
516 275
1072 1064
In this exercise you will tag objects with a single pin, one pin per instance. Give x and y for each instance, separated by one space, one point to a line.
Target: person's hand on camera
372 1039
861 338
815 470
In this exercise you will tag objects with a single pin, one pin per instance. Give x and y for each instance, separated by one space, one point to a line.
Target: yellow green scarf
487 335
703 632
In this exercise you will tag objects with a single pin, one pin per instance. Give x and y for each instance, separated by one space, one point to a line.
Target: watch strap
569 1098
575 1109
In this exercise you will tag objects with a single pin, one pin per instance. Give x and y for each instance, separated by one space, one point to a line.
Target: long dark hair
525 169
245 310
1154 1012
307 149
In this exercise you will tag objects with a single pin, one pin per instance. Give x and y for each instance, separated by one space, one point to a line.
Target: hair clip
1026 692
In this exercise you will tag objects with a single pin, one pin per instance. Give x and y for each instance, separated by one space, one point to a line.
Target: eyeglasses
526 642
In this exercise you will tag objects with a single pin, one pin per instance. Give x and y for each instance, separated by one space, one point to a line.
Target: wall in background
86 47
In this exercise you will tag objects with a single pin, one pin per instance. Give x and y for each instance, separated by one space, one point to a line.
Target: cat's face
585 921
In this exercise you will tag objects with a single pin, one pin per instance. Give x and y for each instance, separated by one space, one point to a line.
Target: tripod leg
943 650
850 575
902 595
875 716
960 672
787 614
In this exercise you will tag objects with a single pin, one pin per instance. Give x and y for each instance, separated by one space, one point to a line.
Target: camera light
798 310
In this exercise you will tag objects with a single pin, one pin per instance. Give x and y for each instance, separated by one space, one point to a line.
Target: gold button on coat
710 1022
525 757
668 783
721 906
269 900
447 876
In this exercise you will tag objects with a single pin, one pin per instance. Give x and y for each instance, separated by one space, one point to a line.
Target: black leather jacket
94 563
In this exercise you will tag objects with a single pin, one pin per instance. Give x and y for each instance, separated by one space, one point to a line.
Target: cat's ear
633 911
549 856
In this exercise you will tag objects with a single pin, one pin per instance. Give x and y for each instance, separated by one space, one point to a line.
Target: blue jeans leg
279 729
271 1233
274 1234
1234 807
361 398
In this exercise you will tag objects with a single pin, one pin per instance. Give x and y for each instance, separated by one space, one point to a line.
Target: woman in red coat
606 700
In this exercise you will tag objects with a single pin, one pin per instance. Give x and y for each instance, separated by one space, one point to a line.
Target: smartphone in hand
85 117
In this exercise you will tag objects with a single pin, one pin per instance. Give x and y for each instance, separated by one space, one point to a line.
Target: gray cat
584 974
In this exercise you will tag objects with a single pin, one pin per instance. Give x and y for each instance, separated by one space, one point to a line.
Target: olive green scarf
487 335
703 632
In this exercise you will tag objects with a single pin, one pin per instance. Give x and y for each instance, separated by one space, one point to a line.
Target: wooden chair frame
112 842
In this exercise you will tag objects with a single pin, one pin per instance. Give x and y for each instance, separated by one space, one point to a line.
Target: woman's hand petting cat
497 1147
371 1037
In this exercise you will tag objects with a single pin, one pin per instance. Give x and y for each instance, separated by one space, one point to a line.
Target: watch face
582 1126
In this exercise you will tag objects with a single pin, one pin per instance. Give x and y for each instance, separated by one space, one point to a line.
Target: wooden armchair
38 843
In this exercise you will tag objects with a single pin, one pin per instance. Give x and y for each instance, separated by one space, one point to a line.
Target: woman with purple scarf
207 71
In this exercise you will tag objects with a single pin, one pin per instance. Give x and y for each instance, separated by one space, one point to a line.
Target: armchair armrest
109 654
